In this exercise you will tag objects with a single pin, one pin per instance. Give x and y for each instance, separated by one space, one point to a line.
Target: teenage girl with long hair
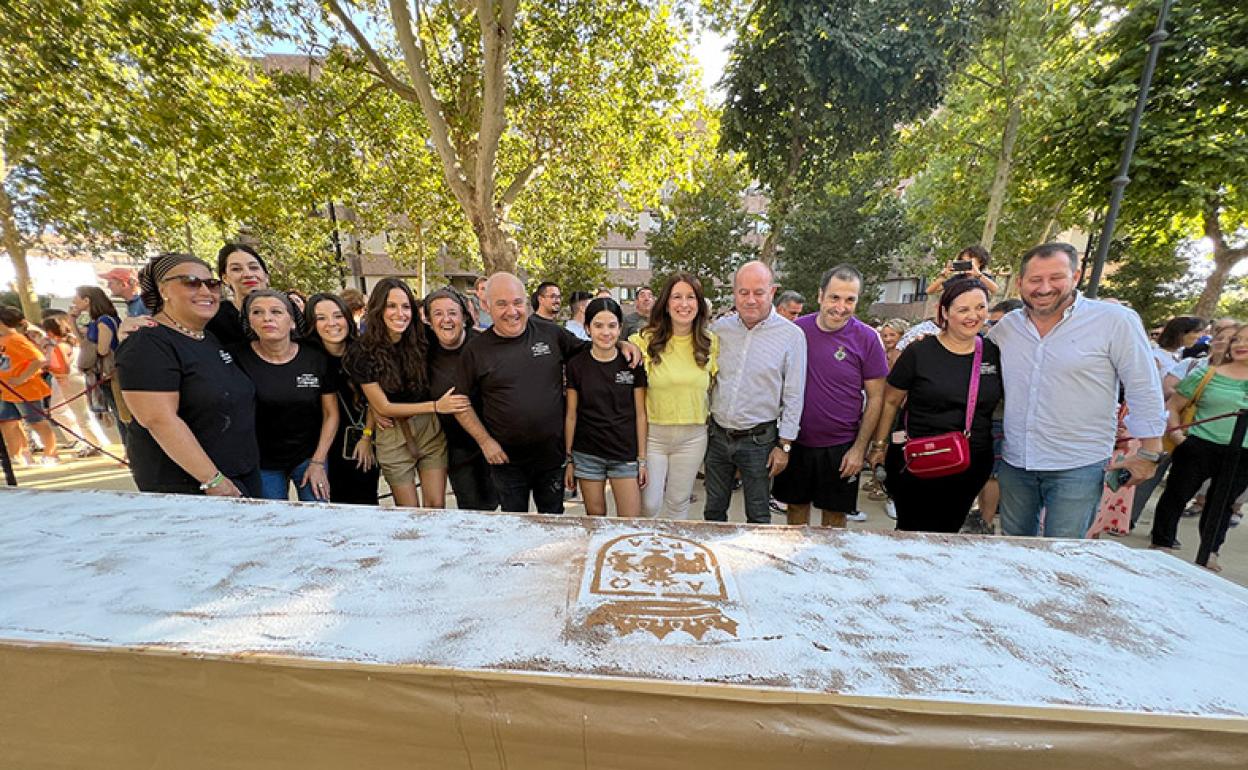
389 365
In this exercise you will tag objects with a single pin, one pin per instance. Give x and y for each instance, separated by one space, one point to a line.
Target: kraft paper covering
144 631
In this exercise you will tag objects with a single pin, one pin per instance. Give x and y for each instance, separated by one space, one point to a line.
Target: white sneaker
890 509
857 516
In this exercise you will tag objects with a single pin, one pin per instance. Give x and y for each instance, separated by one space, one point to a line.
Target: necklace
198 336
286 356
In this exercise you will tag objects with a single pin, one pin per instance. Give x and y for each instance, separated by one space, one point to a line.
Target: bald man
756 403
513 373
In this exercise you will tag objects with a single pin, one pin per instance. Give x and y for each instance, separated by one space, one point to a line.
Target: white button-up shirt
762 374
1061 390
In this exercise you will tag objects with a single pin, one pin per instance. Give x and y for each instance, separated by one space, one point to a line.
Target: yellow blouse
678 392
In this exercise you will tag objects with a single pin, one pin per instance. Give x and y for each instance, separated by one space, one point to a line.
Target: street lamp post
1121 181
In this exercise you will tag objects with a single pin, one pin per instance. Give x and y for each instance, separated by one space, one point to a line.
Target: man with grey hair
845 363
756 402
513 372
789 304
1063 359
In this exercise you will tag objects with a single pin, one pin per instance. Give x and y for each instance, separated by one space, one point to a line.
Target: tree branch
1213 227
380 69
518 184
495 42
440 133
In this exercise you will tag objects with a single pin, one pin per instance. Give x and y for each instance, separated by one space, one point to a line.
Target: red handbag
936 456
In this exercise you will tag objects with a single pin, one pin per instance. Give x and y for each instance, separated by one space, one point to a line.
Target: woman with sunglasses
296 404
353 471
194 409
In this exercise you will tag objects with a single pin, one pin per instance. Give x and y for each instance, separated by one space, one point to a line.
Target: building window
627 294
643 260
628 258
613 257
602 257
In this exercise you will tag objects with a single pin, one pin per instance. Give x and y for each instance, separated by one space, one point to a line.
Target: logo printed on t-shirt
624 377
307 380
226 357
987 370
540 349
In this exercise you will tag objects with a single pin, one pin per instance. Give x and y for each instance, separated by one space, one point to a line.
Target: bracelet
368 432
316 462
641 462
213 482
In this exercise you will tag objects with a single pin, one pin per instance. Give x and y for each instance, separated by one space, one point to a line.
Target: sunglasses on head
193 282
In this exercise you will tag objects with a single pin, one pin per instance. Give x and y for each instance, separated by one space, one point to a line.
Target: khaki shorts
395 459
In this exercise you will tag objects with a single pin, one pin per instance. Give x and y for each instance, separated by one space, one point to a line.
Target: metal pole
1128 149
333 217
1219 501
6 463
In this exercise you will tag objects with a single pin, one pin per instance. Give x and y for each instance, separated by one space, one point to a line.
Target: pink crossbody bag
949 453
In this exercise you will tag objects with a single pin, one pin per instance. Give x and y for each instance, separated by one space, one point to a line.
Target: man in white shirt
756 402
1063 357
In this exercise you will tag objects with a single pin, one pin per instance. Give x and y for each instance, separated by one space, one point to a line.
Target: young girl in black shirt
605 423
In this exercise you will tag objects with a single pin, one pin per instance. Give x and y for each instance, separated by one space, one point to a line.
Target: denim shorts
595 468
30 411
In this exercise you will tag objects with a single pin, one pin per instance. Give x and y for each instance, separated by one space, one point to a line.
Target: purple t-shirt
837 365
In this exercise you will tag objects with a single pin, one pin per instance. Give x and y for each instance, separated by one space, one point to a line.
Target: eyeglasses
193 282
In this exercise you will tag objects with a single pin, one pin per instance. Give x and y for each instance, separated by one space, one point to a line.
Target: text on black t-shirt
937 381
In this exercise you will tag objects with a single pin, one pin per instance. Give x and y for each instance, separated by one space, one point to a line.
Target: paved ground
104 473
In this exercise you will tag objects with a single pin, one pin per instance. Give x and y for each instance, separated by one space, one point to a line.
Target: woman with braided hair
194 429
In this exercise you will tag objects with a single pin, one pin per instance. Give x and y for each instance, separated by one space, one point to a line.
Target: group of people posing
250 395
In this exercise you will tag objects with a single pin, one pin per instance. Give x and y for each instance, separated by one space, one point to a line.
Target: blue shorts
595 468
30 411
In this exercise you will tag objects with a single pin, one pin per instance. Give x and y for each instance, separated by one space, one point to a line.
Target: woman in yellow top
680 356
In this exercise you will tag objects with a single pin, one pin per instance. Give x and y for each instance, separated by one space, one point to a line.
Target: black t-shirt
365 367
937 383
443 375
227 324
215 399
519 383
288 403
606 412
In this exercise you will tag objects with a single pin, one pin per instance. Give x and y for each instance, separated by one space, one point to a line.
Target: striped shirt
762 374
1061 390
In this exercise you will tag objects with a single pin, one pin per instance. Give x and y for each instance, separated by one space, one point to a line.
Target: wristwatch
786 446
1152 457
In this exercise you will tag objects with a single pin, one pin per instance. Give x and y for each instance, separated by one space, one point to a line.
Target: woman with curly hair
680 355
389 363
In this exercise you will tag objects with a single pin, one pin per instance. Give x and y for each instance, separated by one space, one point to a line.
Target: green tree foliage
857 220
1150 271
1191 162
703 228
130 125
540 118
811 83
970 161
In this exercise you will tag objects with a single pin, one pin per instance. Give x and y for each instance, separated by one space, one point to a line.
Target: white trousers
673 455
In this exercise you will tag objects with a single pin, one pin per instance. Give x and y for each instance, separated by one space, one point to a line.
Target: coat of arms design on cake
657 583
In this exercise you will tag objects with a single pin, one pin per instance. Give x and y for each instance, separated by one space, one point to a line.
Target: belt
759 429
